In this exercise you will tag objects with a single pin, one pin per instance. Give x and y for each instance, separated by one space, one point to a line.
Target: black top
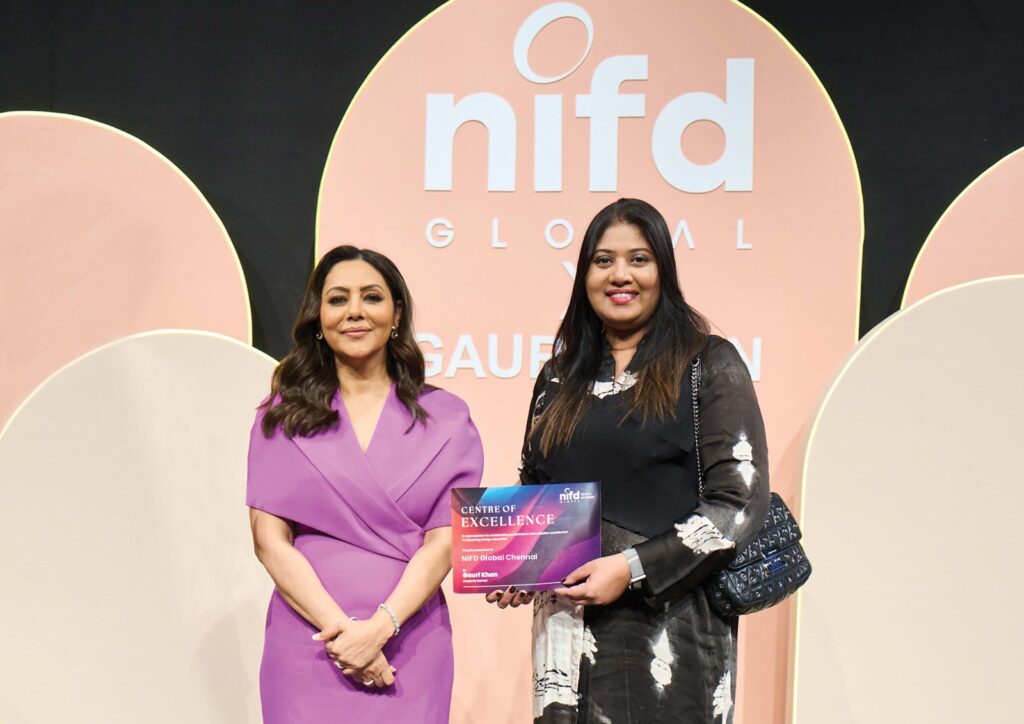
648 474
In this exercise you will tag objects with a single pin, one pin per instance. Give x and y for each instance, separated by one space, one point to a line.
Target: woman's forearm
299 585
421 578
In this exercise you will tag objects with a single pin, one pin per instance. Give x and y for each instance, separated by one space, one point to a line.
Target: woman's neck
623 346
624 340
369 377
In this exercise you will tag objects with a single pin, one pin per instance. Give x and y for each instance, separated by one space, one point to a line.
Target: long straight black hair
305 381
675 333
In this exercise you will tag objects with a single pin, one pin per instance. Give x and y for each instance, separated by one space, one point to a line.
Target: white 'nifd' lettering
603 106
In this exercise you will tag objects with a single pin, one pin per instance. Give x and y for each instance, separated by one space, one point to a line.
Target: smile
356 332
623 296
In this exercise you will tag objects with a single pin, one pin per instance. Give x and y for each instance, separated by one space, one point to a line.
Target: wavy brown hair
675 334
304 383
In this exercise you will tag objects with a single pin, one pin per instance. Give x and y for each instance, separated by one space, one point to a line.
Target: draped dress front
358 517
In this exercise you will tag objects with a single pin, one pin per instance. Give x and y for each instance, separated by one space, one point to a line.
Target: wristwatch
636 569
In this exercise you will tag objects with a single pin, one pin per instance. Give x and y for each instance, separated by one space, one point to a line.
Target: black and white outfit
659 653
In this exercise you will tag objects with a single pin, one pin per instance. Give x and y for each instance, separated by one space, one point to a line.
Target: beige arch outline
786 43
191 184
959 197
344 117
849 149
138 335
833 385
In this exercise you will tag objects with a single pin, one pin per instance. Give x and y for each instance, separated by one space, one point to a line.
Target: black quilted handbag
771 567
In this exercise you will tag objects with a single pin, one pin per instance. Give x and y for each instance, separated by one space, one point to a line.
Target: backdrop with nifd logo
801 159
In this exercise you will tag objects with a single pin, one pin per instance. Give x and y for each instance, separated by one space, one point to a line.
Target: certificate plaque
527 536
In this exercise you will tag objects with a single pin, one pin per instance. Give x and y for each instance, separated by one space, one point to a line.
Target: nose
620 272
355 308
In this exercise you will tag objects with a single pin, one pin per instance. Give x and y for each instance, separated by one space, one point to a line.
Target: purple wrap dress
358 518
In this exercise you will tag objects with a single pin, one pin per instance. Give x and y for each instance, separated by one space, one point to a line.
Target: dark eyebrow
644 249
362 289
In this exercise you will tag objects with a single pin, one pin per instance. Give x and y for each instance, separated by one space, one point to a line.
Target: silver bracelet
394 619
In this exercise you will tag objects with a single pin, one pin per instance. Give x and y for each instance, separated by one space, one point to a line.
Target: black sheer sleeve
528 474
735 501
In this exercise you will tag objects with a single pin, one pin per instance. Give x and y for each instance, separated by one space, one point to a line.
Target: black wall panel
245 98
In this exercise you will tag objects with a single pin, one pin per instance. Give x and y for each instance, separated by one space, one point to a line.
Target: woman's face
356 311
622 279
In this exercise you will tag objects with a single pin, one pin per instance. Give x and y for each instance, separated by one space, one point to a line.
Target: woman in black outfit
631 639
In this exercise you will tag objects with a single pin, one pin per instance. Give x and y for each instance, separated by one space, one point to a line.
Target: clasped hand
356 648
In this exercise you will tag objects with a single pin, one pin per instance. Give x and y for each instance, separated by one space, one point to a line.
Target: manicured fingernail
563 580
512 589
522 594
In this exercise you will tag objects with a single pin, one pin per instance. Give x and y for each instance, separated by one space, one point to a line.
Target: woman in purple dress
350 463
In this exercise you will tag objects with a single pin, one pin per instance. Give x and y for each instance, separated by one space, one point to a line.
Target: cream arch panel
131 593
913 518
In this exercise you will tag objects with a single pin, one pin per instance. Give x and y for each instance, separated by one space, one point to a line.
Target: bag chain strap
694 385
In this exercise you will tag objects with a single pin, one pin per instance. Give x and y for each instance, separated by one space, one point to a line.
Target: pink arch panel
978 236
102 237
